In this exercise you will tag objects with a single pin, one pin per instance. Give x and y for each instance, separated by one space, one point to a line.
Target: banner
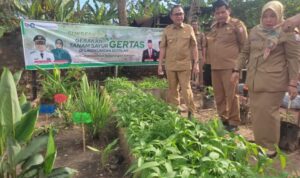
49 44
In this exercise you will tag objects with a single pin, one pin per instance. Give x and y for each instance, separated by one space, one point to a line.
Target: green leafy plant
185 148
209 92
106 153
153 82
20 154
54 83
93 99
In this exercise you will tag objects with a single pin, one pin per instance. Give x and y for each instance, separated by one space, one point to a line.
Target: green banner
49 44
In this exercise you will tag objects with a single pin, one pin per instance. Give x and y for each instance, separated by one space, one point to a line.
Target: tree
122 13
55 10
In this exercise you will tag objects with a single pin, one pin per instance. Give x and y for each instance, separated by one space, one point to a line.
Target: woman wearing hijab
272 58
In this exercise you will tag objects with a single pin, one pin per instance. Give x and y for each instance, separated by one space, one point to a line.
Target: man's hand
196 68
293 92
235 78
204 61
160 70
289 24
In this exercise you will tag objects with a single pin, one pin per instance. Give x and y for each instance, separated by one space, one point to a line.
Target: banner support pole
34 85
116 71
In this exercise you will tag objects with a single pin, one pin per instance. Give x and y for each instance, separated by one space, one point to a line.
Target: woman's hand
235 77
293 92
196 68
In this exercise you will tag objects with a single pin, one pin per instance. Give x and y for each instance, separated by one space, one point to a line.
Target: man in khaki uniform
201 43
269 74
225 41
177 41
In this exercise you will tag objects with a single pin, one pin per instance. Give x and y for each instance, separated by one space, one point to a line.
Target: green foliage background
105 12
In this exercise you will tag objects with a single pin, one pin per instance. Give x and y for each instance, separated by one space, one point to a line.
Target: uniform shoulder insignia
213 24
235 21
169 26
32 52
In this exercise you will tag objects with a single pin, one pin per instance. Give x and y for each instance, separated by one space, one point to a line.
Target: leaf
214 155
13 149
62 173
93 149
282 158
34 160
35 146
25 127
169 168
50 154
17 76
171 157
146 166
26 107
22 99
10 111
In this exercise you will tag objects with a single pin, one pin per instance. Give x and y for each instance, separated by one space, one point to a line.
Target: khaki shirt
275 72
224 43
201 43
178 43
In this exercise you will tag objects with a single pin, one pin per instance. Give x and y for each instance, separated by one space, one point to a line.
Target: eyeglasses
178 14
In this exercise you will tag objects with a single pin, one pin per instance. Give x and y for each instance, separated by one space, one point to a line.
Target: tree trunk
193 12
122 13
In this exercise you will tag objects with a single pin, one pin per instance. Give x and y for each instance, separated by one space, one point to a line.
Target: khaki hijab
271 35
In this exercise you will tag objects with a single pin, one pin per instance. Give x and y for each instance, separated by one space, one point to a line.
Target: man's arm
162 53
242 34
204 55
290 23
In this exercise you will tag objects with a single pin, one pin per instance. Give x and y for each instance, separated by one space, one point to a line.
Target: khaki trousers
181 78
265 116
225 96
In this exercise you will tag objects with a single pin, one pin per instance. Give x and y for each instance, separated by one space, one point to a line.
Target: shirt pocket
228 36
171 40
185 40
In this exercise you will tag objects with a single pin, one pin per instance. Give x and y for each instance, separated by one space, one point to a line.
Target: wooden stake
83 136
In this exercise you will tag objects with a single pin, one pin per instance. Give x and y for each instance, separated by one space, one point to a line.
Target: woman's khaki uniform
268 78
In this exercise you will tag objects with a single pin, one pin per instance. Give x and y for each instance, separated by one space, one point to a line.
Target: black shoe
190 115
225 123
231 128
271 154
200 88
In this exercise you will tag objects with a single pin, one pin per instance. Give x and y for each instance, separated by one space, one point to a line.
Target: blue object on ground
295 104
47 108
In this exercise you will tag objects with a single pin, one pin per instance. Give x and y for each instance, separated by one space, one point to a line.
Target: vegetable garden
125 128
